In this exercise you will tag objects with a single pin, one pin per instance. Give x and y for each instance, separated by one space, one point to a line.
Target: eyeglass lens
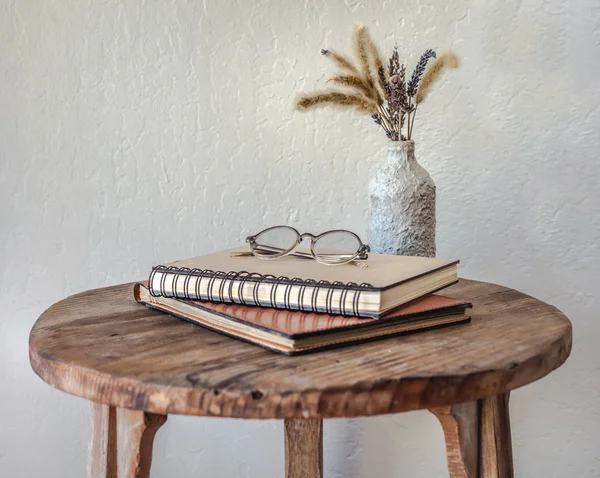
275 240
336 246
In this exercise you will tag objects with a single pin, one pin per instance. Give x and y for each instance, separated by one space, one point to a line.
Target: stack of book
293 305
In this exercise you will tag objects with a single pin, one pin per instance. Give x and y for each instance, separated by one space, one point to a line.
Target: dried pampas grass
361 43
340 60
354 81
357 77
370 86
336 98
434 73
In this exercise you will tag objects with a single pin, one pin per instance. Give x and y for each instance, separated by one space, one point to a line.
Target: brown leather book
382 283
294 332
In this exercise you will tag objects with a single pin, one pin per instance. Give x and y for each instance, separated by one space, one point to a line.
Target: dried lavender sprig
405 101
413 84
398 100
402 75
394 67
378 121
393 135
384 82
395 97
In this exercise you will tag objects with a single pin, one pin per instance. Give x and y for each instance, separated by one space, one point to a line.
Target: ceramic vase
402 205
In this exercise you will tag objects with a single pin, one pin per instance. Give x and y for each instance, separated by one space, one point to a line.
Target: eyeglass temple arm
303 255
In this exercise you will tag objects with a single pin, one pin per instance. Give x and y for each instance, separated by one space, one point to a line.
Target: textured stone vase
402 205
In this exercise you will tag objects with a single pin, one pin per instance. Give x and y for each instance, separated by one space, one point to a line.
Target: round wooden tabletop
104 346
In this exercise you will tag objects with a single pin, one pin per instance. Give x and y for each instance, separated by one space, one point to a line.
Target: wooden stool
137 366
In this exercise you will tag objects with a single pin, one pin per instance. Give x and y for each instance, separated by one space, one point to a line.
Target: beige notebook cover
383 270
382 283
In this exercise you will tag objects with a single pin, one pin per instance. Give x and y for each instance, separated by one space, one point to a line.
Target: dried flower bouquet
382 91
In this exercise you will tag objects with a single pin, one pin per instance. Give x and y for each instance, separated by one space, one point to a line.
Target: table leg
496 447
121 442
303 448
478 443
102 448
461 431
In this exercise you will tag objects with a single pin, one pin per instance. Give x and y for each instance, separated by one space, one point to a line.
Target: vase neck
401 151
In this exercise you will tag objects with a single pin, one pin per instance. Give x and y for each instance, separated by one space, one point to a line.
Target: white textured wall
136 132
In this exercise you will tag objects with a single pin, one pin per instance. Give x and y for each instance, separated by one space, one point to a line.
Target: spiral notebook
294 283
294 332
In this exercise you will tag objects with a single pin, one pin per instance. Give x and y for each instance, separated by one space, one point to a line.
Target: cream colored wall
137 132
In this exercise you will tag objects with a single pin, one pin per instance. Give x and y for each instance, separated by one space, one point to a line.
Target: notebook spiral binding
170 275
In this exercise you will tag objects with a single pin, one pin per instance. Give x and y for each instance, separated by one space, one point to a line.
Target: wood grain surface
478 441
303 441
121 442
461 424
135 437
496 446
103 346
102 448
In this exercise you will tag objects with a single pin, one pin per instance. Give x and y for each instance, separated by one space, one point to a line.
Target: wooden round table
137 366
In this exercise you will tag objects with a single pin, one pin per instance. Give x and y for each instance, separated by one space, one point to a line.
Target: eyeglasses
334 247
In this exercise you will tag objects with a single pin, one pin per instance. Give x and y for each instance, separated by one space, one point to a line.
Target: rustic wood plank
478 440
303 448
135 433
102 448
121 442
496 446
460 423
103 346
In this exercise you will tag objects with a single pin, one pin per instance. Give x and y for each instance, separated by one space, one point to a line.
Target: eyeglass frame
361 253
